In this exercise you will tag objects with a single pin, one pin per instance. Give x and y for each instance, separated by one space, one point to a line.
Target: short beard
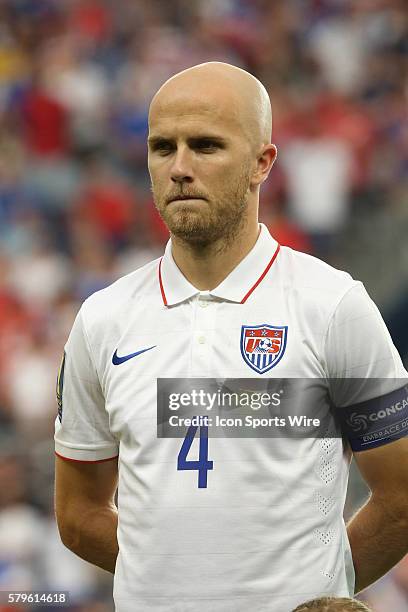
219 225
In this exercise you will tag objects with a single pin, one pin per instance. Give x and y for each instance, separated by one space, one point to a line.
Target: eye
206 145
162 147
164 151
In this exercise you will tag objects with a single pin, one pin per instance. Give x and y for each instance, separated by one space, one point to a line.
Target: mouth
183 198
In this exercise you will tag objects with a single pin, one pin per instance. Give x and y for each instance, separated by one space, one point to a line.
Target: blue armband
377 421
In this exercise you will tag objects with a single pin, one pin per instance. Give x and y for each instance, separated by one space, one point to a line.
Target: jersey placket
203 332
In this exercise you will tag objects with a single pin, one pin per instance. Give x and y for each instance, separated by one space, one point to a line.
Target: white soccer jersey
266 532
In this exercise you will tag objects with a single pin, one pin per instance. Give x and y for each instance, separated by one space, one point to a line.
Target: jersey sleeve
361 360
82 426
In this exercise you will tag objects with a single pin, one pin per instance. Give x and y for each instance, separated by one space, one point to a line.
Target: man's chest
273 337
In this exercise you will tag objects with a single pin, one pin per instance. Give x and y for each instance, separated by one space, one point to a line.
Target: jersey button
203 303
201 339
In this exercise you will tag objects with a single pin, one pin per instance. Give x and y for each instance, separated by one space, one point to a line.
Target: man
253 523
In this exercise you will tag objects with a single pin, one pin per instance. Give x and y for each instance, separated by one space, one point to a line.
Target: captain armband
377 421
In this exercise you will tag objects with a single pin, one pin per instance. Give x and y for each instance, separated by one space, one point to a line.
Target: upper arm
82 428
367 376
385 470
80 487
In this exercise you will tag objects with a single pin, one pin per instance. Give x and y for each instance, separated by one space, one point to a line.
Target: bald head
222 90
209 151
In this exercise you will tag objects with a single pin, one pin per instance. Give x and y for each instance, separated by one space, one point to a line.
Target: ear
264 163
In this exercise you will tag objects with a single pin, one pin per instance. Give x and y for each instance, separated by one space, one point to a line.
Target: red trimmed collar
239 284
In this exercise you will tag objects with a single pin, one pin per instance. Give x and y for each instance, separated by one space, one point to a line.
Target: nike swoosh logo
116 360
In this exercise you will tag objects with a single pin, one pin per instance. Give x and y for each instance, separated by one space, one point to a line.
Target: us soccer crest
263 346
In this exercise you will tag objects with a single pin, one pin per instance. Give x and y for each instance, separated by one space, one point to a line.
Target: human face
200 167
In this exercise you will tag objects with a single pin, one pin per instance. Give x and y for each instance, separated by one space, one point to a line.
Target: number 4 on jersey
202 465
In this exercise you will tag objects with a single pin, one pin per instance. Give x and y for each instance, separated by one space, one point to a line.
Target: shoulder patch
60 386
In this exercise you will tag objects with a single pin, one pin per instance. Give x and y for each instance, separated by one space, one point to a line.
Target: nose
181 170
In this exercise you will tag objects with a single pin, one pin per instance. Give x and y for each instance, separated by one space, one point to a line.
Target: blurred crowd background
76 78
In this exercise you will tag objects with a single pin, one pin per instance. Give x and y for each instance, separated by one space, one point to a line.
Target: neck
206 266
